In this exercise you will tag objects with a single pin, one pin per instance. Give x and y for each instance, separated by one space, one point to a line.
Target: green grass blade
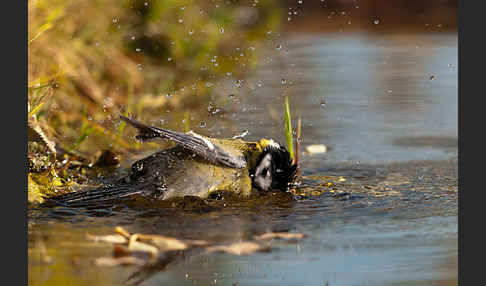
288 128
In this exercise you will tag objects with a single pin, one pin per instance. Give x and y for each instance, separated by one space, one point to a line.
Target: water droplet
182 8
191 32
376 22
283 81
269 32
180 20
138 50
133 38
169 59
259 83
300 1
238 83
289 19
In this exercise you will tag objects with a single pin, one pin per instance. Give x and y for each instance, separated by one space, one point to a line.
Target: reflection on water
392 134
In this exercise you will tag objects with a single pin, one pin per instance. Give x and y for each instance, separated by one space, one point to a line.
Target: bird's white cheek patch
273 144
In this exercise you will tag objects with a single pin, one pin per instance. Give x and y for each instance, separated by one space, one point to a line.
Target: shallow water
391 130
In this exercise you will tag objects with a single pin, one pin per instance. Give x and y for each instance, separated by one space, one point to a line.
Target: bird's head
273 169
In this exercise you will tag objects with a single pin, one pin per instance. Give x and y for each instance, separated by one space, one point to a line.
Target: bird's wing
190 141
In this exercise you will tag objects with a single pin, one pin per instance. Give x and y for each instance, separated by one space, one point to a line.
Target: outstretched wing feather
192 142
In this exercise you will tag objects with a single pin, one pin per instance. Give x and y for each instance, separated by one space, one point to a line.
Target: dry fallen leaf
114 261
280 235
115 238
239 248
163 243
120 230
136 246
139 249
316 149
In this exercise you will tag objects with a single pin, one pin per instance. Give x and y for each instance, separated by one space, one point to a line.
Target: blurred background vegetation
90 61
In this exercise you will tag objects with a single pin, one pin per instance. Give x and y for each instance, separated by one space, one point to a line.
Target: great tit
196 166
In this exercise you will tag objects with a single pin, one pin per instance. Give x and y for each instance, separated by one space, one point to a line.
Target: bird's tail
101 196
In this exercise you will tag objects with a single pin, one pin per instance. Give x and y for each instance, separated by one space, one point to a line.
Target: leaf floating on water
115 261
280 235
239 248
163 243
136 246
316 149
150 243
115 238
120 230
